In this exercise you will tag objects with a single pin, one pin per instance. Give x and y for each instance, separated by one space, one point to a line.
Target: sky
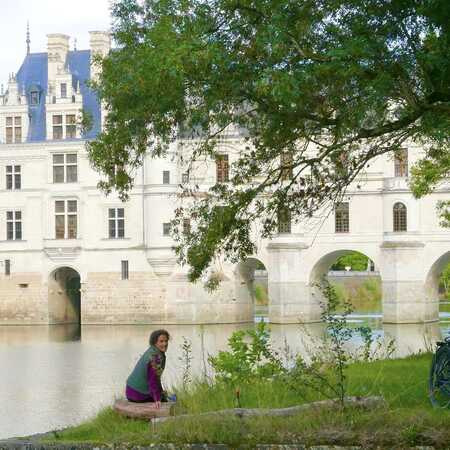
72 17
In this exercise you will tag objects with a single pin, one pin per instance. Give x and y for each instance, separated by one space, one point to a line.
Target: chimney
57 47
100 42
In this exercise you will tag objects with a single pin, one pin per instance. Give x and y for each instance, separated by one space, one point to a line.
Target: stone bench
143 410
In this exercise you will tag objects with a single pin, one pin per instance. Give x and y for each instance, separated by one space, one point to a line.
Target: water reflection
64 333
54 376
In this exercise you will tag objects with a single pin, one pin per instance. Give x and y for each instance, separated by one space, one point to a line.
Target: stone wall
23 299
105 298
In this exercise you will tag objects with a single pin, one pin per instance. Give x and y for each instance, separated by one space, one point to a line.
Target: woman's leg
137 397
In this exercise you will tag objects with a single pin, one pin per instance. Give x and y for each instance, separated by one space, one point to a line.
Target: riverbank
407 419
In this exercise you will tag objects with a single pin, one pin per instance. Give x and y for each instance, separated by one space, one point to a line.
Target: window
34 97
71 126
63 90
401 163
17 129
13 225
116 223
124 269
65 219
13 129
166 177
64 127
185 177
284 221
7 267
342 218
9 130
13 179
400 217
166 229
186 226
222 168
57 127
65 168
286 166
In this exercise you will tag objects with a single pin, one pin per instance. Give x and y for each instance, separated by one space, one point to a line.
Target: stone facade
133 277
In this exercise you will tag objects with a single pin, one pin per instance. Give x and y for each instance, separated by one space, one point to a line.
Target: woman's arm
154 383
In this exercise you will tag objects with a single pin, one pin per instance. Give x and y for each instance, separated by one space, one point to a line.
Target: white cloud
72 17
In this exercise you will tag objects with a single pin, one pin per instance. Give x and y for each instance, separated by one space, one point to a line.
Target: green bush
250 357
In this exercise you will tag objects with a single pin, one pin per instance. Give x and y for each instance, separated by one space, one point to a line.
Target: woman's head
160 339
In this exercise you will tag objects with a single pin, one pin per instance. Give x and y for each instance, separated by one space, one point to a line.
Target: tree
330 83
355 260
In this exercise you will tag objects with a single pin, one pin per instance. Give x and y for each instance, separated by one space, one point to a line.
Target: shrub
250 357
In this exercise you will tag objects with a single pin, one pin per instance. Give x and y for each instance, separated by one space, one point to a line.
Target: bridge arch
322 265
351 283
252 284
433 275
64 295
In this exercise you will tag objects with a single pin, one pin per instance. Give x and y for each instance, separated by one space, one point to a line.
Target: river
60 375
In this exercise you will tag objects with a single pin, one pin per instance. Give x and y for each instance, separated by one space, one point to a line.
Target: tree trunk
355 402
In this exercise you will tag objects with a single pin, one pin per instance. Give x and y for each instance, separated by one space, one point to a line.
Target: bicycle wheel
439 382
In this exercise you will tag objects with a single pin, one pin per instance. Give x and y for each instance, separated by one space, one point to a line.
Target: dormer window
57 127
63 90
71 126
64 126
34 97
401 163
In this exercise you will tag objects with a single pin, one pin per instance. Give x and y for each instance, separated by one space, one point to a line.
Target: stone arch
64 295
246 273
322 266
432 277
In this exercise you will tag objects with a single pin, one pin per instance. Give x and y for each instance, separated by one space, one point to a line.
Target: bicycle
439 381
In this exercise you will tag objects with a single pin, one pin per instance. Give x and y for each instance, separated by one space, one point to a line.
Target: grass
363 293
444 306
407 420
261 295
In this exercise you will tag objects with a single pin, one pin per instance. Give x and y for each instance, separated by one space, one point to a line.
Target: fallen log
355 402
143 410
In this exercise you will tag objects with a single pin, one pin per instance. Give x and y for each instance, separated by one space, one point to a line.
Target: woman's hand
157 405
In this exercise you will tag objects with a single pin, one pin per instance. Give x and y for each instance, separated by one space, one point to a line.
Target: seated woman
144 383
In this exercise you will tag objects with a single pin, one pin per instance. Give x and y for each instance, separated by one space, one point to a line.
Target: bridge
380 219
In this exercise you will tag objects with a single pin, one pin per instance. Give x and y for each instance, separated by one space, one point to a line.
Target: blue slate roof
33 75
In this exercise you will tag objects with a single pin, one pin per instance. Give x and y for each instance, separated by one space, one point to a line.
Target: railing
400 183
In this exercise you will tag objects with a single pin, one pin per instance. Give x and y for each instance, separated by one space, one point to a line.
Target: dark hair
156 334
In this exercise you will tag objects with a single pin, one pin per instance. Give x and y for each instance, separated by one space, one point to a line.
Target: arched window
400 217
